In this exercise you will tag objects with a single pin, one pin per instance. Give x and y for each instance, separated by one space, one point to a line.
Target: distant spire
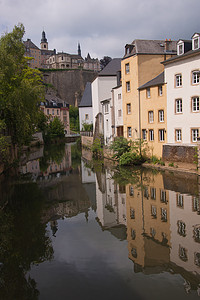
79 49
43 40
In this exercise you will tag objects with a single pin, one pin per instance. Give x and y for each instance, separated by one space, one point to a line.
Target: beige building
153 114
34 53
148 224
141 63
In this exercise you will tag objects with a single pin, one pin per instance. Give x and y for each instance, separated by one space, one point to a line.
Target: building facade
141 63
182 74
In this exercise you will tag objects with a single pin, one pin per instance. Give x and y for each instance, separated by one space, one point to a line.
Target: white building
182 75
118 112
85 107
101 93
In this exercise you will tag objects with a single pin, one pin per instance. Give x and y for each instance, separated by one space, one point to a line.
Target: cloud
102 27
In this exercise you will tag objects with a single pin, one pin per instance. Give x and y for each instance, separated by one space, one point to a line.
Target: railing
86 133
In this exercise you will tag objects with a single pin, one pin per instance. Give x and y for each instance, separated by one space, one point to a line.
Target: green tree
74 118
56 128
21 89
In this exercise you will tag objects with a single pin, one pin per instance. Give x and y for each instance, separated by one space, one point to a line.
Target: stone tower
44 43
79 49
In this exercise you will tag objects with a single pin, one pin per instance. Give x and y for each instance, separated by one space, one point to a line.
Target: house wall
83 111
154 103
143 68
187 119
118 107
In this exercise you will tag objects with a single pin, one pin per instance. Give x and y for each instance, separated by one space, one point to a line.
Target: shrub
96 148
130 158
120 146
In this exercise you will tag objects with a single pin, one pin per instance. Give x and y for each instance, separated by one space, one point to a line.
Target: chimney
167 43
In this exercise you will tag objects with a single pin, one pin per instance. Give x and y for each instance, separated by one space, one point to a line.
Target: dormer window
180 49
196 41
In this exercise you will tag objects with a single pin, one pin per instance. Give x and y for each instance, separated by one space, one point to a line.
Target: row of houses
151 93
48 59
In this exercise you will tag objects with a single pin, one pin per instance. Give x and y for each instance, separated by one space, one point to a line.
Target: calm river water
72 231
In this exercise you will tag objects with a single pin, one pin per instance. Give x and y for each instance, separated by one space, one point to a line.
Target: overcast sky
102 27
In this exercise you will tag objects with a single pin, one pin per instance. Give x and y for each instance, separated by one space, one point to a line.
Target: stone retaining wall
179 153
87 141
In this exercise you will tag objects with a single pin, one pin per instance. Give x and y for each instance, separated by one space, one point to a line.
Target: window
152 232
183 253
179 200
161 115
133 234
144 134
132 213
129 134
119 96
131 191
128 87
106 108
151 118
196 43
197 259
128 106
153 193
178 106
163 197
178 81
196 233
163 214
181 228
195 77
180 49
196 204
127 68
86 117
178 135
160 90
146 192
47 111
52 111
161 135
195 135
119 113
151 135
148 93
57 111
154 211
195 104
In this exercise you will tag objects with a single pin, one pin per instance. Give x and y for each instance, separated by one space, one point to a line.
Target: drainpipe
139 120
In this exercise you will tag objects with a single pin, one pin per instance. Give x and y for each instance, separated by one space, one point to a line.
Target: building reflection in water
162 219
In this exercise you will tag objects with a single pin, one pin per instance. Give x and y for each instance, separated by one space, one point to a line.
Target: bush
130 158
87 127
96 148
120 146
56 128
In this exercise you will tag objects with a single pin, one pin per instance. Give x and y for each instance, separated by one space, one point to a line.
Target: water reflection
156 214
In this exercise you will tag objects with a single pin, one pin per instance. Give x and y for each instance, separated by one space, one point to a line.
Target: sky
102 27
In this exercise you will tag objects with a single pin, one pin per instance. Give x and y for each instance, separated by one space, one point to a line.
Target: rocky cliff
70 84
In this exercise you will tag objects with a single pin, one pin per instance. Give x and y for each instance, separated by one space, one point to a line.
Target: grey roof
182 56
158 80
30 45
86 100
151 47
112 68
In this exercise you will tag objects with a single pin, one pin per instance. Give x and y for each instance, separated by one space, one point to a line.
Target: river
75 230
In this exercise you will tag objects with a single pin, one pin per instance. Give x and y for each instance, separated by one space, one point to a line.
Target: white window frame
161 135
128 106
151 116
195 47
151 135
195 104
160 90
106 108
178 80
127 68
129 132
119 96
195 77
178 106
86 117
178 135
161 115
144 134
195 134
128 86
148 93
180 49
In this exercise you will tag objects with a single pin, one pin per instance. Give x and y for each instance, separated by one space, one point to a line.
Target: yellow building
153 114
141 63
148 224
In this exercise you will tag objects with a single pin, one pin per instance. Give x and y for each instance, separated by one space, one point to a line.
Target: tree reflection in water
24 242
